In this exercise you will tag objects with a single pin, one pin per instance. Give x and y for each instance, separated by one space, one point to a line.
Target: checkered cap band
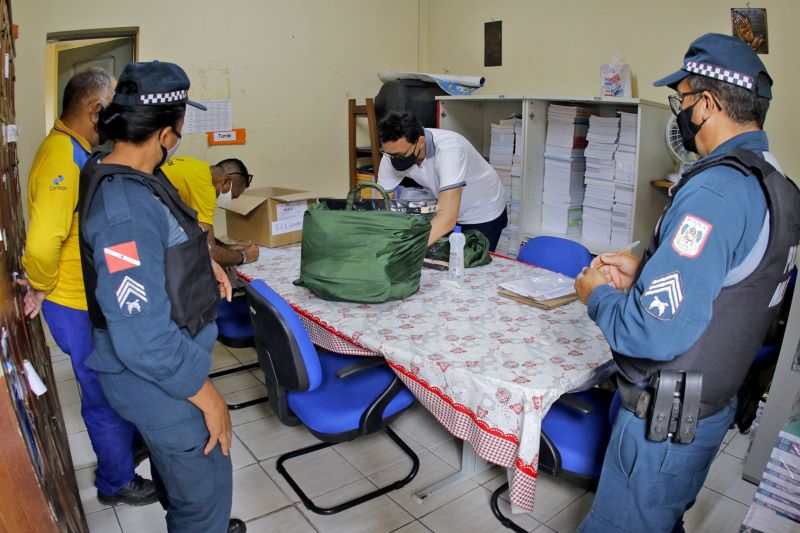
163 98
720 73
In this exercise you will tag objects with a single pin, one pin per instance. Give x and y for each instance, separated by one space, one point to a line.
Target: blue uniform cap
157 82
723 58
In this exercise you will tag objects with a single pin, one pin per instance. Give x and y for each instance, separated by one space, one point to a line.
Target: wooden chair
354 112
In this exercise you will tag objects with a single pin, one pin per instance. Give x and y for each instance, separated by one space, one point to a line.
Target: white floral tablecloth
488 368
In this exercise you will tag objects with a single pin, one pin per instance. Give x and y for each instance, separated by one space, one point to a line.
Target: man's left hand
587 280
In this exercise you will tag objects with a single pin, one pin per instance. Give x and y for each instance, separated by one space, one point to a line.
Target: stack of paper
776 503
624 178
598 199
516 160
505 155
564 168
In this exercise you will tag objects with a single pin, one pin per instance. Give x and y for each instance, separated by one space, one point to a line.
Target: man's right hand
620 269
32 301
216 415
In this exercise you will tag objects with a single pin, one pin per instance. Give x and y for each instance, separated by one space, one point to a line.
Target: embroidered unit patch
122 256
131 297
691 236
663 297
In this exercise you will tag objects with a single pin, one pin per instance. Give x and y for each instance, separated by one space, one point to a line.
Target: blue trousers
647 486
195 489
110 435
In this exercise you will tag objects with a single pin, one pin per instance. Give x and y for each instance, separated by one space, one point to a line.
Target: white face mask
174 149
225 198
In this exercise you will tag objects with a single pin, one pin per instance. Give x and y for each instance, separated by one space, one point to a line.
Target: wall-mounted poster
750 25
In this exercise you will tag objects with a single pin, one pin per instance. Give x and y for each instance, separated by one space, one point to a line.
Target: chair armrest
372 418
368 362
575 403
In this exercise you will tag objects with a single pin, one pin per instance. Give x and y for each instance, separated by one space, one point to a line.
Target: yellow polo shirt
52 258
192 178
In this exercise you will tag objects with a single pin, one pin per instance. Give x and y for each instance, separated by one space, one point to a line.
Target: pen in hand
628 248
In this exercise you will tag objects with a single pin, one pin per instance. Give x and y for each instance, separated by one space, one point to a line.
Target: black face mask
688 128
403 162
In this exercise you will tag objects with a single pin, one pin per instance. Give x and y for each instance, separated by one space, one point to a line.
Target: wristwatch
244 258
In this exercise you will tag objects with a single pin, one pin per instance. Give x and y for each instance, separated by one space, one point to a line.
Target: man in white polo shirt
446 165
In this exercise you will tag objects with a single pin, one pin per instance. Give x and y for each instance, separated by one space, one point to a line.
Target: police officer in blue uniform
701 299
152 293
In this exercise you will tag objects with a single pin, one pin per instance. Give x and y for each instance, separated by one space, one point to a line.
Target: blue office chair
337 397
554 253
576 429
236 331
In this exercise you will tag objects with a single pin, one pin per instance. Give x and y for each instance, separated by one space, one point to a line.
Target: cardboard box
268 216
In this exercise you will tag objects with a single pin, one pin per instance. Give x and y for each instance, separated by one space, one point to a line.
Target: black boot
140 491
236 526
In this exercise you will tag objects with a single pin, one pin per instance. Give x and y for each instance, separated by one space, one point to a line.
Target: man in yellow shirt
204 187
53 268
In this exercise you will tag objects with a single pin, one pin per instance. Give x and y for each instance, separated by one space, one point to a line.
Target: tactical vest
741 313
190 282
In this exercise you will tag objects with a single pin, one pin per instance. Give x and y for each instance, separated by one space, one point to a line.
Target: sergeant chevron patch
131 297
663 297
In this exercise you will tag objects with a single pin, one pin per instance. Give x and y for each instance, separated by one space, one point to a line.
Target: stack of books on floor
564 168
598 198
624 178
506 141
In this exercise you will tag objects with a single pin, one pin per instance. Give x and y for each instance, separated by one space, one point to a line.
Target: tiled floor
263 499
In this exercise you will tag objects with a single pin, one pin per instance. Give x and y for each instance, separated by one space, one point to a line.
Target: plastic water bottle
455 267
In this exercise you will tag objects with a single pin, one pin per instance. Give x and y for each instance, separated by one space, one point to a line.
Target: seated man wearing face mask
202 187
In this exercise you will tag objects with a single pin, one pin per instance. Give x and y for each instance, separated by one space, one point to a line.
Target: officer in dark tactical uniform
152 293
702 297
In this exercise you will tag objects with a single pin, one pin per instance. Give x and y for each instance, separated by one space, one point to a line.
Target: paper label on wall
287 225
218 117
7 67
291 210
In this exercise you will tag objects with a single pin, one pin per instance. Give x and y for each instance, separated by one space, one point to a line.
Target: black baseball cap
723 58
157 82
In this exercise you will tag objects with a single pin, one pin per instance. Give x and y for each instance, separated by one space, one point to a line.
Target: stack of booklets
598 199
564 168
624 178
776 503
505 155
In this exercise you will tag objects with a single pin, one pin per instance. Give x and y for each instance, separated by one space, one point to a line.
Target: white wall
288 66
557 47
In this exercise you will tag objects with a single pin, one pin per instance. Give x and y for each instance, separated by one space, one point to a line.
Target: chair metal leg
227 371
506 522
355 501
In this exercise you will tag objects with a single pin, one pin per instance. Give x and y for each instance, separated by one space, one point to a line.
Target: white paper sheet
287 225
218 117
544 285
291 210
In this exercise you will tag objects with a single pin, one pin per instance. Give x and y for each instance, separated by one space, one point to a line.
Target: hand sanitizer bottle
456 264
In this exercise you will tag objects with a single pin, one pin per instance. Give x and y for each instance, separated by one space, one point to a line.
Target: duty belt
670 404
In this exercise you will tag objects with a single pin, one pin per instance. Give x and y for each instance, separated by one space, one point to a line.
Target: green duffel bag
357 254
476 249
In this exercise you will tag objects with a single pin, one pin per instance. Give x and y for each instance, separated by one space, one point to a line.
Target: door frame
62 40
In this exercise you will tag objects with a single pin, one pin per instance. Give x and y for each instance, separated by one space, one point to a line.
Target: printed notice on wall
218 117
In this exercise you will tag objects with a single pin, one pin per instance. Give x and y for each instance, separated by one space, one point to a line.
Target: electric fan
682 156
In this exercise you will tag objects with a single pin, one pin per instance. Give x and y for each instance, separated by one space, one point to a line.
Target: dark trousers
491 229
646 485
110 435
195 489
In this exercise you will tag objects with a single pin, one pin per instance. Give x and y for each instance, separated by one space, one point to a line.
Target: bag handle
351 196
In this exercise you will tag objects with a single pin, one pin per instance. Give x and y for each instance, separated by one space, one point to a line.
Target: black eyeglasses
675 100
248 177
398 156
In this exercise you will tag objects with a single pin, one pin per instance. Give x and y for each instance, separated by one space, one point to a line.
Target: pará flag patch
691 236
663 297
122 256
